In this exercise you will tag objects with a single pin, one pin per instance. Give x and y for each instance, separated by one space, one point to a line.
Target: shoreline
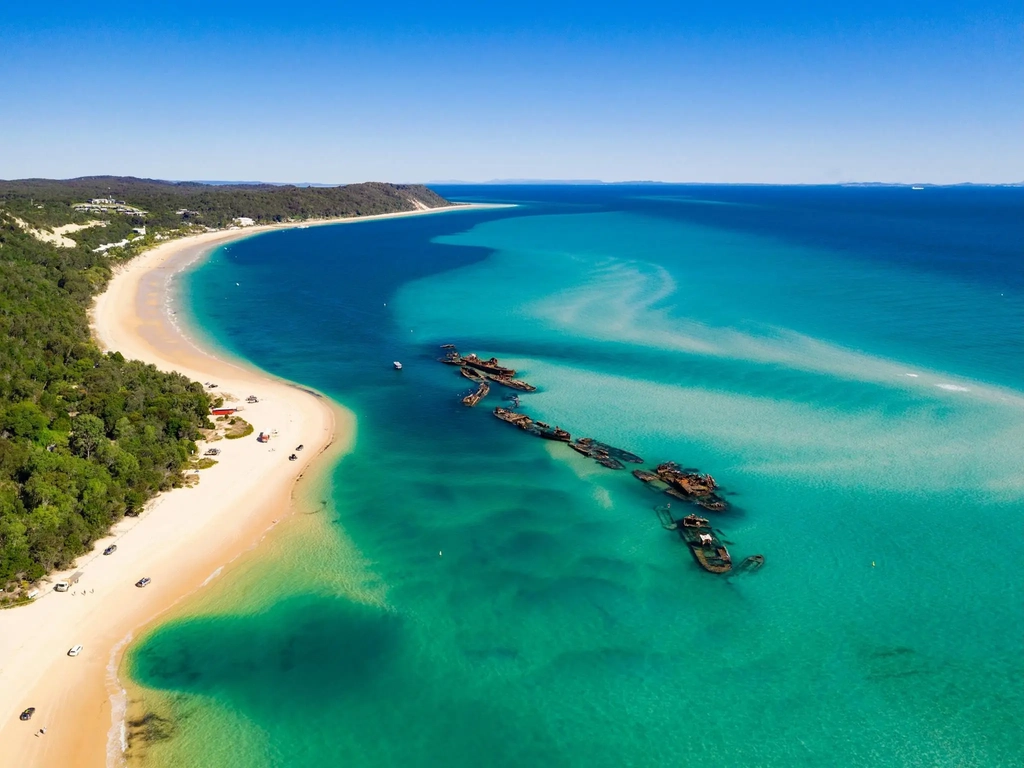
185 537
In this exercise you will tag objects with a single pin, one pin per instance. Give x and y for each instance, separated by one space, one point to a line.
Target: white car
75 651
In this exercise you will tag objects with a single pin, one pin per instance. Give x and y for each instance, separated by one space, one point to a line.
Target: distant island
87 437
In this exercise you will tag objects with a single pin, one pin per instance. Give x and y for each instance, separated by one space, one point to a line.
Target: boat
644 476
580 447
75 650
548 432
752 563
299 447
618 454
508 381
262 437
471 373
707 549
110 550
27 714
452 358
609 461
520 420
690 486
398 365
143 582
712 502
475 397
447 346
596 451
490 366
917 188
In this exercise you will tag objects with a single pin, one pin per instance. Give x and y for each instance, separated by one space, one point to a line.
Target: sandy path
181 539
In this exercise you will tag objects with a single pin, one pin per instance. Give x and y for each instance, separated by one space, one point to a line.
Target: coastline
184 537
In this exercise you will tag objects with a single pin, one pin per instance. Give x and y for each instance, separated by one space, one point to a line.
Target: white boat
917 187
398 365
75 651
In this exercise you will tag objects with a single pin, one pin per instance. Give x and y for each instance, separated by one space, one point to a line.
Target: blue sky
729 91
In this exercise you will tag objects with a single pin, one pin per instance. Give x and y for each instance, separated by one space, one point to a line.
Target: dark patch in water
317 648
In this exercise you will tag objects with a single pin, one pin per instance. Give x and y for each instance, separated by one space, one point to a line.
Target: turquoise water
846 362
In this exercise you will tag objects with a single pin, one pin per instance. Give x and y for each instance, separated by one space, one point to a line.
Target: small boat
299 447
752 563
27 714
262 437
644 476
143 582
75 650
398 365
110 550
917 188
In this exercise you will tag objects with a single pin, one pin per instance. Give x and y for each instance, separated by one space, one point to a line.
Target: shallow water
846 362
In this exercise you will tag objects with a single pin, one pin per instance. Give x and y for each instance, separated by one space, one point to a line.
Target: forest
87 437
209 205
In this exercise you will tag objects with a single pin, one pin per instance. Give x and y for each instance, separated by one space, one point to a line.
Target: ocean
848 362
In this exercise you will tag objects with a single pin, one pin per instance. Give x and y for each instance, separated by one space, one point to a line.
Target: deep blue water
847 363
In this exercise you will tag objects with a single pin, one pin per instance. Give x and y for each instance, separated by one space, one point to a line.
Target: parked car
75 651
110 550
143 582
27 714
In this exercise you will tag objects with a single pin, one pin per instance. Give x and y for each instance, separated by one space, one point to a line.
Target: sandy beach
180 540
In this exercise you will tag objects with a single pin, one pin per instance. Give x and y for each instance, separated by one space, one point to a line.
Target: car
110 550
27 714
143 582
75 651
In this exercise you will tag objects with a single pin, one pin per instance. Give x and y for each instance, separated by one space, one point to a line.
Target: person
42 731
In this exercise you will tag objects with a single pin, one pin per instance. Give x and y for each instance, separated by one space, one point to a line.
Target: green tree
87 434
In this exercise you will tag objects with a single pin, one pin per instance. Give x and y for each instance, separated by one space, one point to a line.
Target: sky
336 92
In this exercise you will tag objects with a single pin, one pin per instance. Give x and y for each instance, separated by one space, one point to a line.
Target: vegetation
238 428
48 203
86 438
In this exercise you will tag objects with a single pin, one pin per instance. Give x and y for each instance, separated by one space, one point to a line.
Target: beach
183 537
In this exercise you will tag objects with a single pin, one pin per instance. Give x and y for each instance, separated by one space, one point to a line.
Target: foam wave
117 736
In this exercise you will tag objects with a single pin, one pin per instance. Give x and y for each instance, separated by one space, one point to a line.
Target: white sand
179 541
56 235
